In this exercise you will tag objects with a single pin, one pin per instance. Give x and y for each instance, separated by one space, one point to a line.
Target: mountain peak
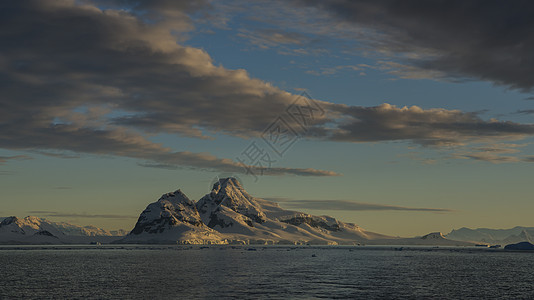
433 235
171 210
9 220
228 214
229 193
227 184
176 196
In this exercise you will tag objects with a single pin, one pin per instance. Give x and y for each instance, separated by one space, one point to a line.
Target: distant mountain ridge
34 230
229 215
493 236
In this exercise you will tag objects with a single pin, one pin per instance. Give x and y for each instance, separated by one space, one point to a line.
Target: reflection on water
263 272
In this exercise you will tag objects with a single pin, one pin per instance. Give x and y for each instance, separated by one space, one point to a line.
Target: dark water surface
182 272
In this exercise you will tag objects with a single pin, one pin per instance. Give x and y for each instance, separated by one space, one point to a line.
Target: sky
404 117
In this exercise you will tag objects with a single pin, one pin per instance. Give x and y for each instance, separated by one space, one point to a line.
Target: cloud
489 157
494 153
46 213
268 38
111 77
333 70
485 40
411 72
434 127
4 159
525 111
56 154
103 79
348 205
210 162
419 156
284 41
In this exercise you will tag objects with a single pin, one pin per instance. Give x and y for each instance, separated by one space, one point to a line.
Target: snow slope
228 214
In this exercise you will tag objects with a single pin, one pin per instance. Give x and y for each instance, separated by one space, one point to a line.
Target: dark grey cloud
80 79
347 205
525 111
421 126
486 40
46 213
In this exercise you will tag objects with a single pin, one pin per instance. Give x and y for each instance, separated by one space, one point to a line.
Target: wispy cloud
525 111
267 38
494 153
4 159
334 70
347 205
405 71
56 154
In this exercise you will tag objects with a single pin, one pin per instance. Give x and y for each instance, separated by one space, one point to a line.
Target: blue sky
130 100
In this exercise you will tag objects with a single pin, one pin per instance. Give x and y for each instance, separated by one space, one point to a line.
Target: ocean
263 272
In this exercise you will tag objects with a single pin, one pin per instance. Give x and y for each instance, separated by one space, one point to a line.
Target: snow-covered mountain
228 214
172 219
29 230
493 236
34 230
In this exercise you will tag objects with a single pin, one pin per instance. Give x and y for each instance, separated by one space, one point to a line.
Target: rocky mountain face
228 214
170 210
172 219
229 204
